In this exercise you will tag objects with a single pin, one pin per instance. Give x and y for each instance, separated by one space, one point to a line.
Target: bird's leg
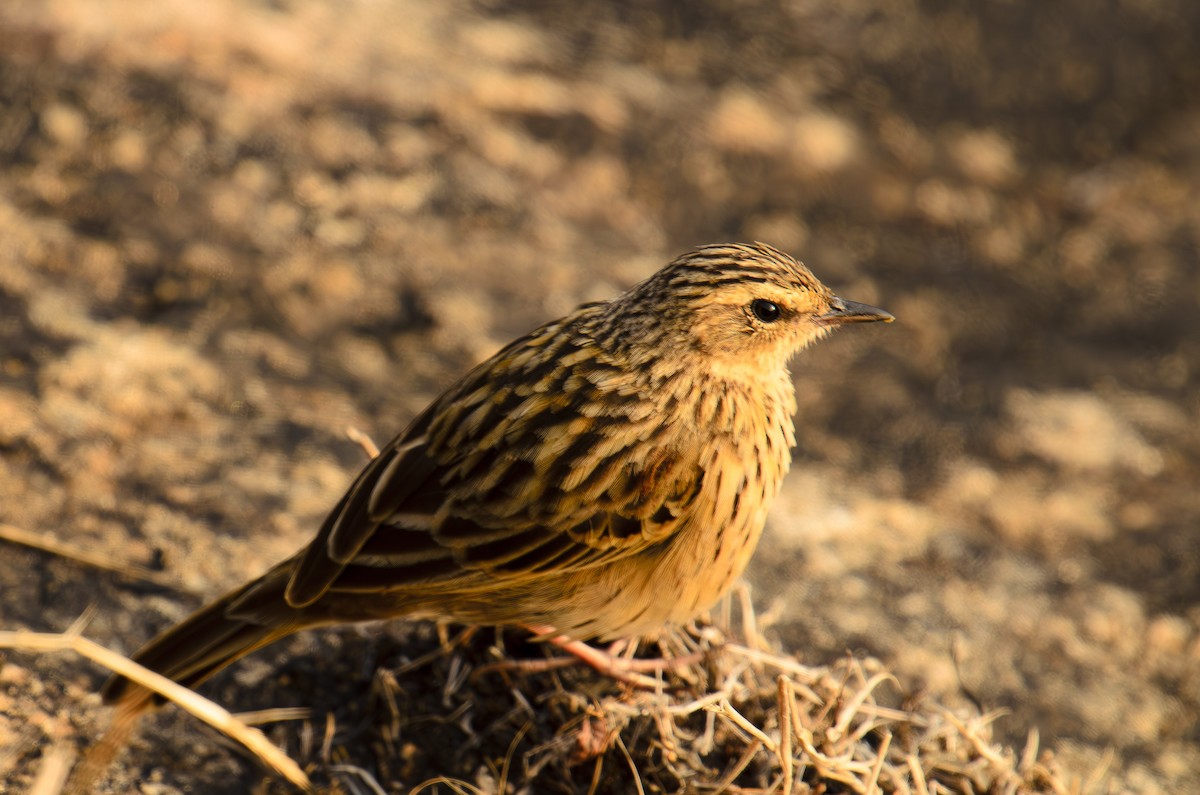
607 662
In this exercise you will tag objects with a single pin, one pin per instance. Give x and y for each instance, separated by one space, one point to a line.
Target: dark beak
843 312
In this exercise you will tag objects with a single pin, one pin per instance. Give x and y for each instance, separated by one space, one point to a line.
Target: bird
605 475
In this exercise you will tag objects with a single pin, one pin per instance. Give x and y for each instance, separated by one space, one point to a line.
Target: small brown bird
604 475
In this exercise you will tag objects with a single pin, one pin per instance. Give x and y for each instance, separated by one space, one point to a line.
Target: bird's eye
764 310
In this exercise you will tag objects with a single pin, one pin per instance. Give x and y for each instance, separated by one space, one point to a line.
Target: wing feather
523 468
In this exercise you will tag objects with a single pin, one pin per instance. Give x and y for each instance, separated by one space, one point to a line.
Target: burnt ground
230 230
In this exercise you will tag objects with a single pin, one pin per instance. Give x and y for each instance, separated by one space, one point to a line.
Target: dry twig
193 703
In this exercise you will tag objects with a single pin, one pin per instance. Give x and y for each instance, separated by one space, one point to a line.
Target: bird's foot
635 672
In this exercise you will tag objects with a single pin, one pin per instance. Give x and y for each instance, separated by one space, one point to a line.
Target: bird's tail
207 641
216 635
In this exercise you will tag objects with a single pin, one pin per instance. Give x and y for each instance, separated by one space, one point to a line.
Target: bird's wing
523 467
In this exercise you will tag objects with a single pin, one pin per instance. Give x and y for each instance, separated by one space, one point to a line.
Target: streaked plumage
607 473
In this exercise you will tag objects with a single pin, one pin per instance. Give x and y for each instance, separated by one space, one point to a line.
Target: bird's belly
668 585
669 582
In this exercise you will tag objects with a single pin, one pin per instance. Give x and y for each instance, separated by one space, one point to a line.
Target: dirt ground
230 230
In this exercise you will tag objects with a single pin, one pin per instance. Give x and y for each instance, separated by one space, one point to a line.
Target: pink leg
630 671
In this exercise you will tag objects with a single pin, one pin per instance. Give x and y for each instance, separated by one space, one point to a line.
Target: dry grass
738 718
204 709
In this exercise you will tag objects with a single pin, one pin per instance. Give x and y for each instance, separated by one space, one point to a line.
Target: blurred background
229 230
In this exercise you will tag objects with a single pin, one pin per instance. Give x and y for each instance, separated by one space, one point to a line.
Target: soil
231 230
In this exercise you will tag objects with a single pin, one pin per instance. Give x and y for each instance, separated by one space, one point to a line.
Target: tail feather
208 640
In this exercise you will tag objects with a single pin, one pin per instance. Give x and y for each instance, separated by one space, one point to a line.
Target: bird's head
745 307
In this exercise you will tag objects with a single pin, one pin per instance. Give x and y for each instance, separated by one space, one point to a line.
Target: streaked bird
604 475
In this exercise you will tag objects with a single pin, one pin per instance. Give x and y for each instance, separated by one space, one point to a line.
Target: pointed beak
843 312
